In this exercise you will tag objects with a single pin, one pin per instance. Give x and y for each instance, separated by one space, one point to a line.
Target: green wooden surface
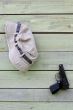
30 90
41 79
42 23
36 6
46 42
46 61
35 106
35 95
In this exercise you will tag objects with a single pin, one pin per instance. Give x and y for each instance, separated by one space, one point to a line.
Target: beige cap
22 48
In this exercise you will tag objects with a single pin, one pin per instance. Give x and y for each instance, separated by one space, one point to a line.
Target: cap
21 44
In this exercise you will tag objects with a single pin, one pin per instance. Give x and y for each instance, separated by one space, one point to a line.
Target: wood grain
41 79
41 23
46 42
45 61
36 105
33 6
36 95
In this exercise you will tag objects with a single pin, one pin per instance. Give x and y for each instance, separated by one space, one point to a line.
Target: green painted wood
41 79
46 42
36 95
3 43
41 23
39 6
36 106
1 7
48 60
45 61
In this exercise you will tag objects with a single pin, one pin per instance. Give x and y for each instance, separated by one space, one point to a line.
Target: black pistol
62 81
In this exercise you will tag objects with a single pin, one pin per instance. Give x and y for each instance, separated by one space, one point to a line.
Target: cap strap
19 49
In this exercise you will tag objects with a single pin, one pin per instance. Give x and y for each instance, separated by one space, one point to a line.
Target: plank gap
47 32
38 14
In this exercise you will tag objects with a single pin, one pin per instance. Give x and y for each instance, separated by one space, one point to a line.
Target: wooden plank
42 23
36 106
1 7
36 95
47 42
41 79
39 6
46 61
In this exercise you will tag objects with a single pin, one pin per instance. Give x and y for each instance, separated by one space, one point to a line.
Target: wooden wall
52 25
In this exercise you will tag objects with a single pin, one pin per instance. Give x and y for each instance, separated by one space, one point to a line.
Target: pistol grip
55 88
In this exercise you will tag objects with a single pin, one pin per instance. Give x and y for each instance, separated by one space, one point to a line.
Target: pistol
62 81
